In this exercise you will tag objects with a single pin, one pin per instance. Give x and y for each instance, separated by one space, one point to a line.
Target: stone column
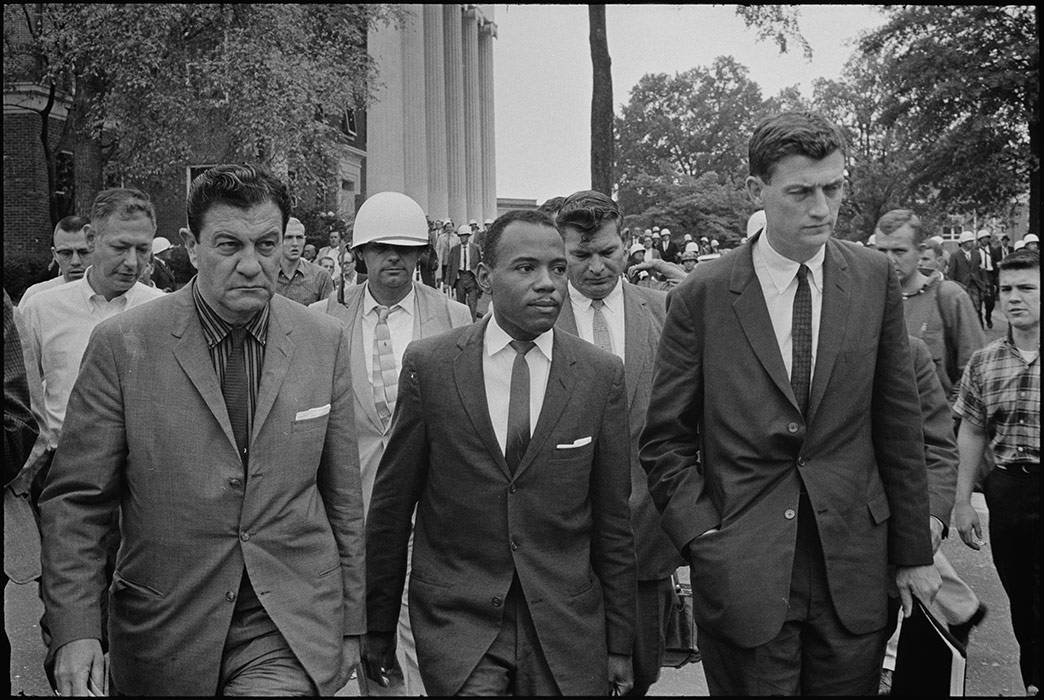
415 134
435 111
455 135
472 116
385 152
486 102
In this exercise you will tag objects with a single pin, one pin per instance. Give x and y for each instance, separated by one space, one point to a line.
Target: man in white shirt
59 321
70 251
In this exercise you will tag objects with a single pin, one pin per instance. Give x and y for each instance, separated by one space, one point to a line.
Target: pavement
992 650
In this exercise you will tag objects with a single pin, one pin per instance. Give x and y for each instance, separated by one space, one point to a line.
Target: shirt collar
89 293
782 270
216 328
497 339
613 300
406 303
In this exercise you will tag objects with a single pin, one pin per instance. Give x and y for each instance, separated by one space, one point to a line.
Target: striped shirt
217 333
1000 393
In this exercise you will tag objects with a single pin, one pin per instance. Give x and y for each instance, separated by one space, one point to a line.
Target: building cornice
20 98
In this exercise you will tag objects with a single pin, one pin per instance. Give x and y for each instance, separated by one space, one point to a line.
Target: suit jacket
725 445
671 253
453 262
940 445
560 523
191 520
644 312
435 314
962 271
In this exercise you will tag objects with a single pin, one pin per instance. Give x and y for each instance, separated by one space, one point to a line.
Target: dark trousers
1013 498
813 654
467 290
514 664
656 600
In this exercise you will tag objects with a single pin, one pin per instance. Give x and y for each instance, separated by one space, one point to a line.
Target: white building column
385 153
486 102
415 137
456 182
435 111
472 115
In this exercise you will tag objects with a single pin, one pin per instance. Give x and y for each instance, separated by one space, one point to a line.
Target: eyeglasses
66 254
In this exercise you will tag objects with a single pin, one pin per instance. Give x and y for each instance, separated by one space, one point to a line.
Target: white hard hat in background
967 236
756 222
635 247
463 230
1030 238
160 244
391 218
983 233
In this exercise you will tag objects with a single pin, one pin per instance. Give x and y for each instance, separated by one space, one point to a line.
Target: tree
260 82
963 82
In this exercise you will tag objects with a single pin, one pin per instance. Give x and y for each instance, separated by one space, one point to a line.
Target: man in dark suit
988 261
667 247
461 269
240 568
509 440
783 442
964 270
626 320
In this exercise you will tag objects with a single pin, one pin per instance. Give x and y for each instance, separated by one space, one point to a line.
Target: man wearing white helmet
988 260
668 248
964 269
300 280
1031 242
384 315
461 267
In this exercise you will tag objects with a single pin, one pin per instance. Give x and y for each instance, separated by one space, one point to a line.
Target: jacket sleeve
940 446
20 428
340 484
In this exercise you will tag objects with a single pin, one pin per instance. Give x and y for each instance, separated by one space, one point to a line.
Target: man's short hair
122 202
892 221
587 211
72 224
240 186
496 229
551 206
792 133
1021 259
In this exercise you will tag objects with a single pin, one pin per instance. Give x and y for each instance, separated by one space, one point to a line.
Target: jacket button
789 514
230 596
512 488
514 546
244 536
235 483
496 601
792 427
801 461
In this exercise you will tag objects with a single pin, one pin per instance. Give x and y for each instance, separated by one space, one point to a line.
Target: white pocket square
579 442
312 412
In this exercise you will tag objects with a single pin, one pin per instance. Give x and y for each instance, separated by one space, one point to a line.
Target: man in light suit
783 442
240 570
462 267
390 235
510 440
626 320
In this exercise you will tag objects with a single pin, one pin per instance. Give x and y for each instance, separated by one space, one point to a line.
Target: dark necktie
518 406
236 391
801 333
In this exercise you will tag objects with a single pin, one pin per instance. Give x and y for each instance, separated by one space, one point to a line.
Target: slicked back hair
587 211
240 186
496 230
808 134
892 221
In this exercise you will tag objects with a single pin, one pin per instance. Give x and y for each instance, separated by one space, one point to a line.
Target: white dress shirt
778 278
41 287
59 322
400 326
498 357
583 312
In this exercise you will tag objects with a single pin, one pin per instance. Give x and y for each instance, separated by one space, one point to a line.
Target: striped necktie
385 378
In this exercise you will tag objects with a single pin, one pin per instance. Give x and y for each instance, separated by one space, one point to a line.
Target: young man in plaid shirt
999 402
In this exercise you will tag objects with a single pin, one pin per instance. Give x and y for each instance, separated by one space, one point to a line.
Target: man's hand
621 674
920 581
966 520
378 656
77 664
936 526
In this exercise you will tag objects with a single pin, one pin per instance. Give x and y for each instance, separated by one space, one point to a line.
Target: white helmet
756 222
391 218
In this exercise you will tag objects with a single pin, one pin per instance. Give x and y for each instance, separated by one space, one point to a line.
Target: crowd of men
281 471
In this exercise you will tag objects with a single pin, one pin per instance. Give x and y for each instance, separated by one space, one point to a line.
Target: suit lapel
467 375
192 353
833 322
566 319
560 381
637 329
753 317
279 350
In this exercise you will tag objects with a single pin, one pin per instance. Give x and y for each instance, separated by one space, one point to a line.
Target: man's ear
755 190
190 245
483 277
90 236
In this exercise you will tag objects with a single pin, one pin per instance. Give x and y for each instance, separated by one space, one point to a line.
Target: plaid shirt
1000 393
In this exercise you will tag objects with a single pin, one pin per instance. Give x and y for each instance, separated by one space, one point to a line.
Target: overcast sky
542 65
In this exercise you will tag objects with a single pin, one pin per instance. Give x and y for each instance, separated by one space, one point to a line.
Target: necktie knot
597 303
802 273
522 346
382 313
238 334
